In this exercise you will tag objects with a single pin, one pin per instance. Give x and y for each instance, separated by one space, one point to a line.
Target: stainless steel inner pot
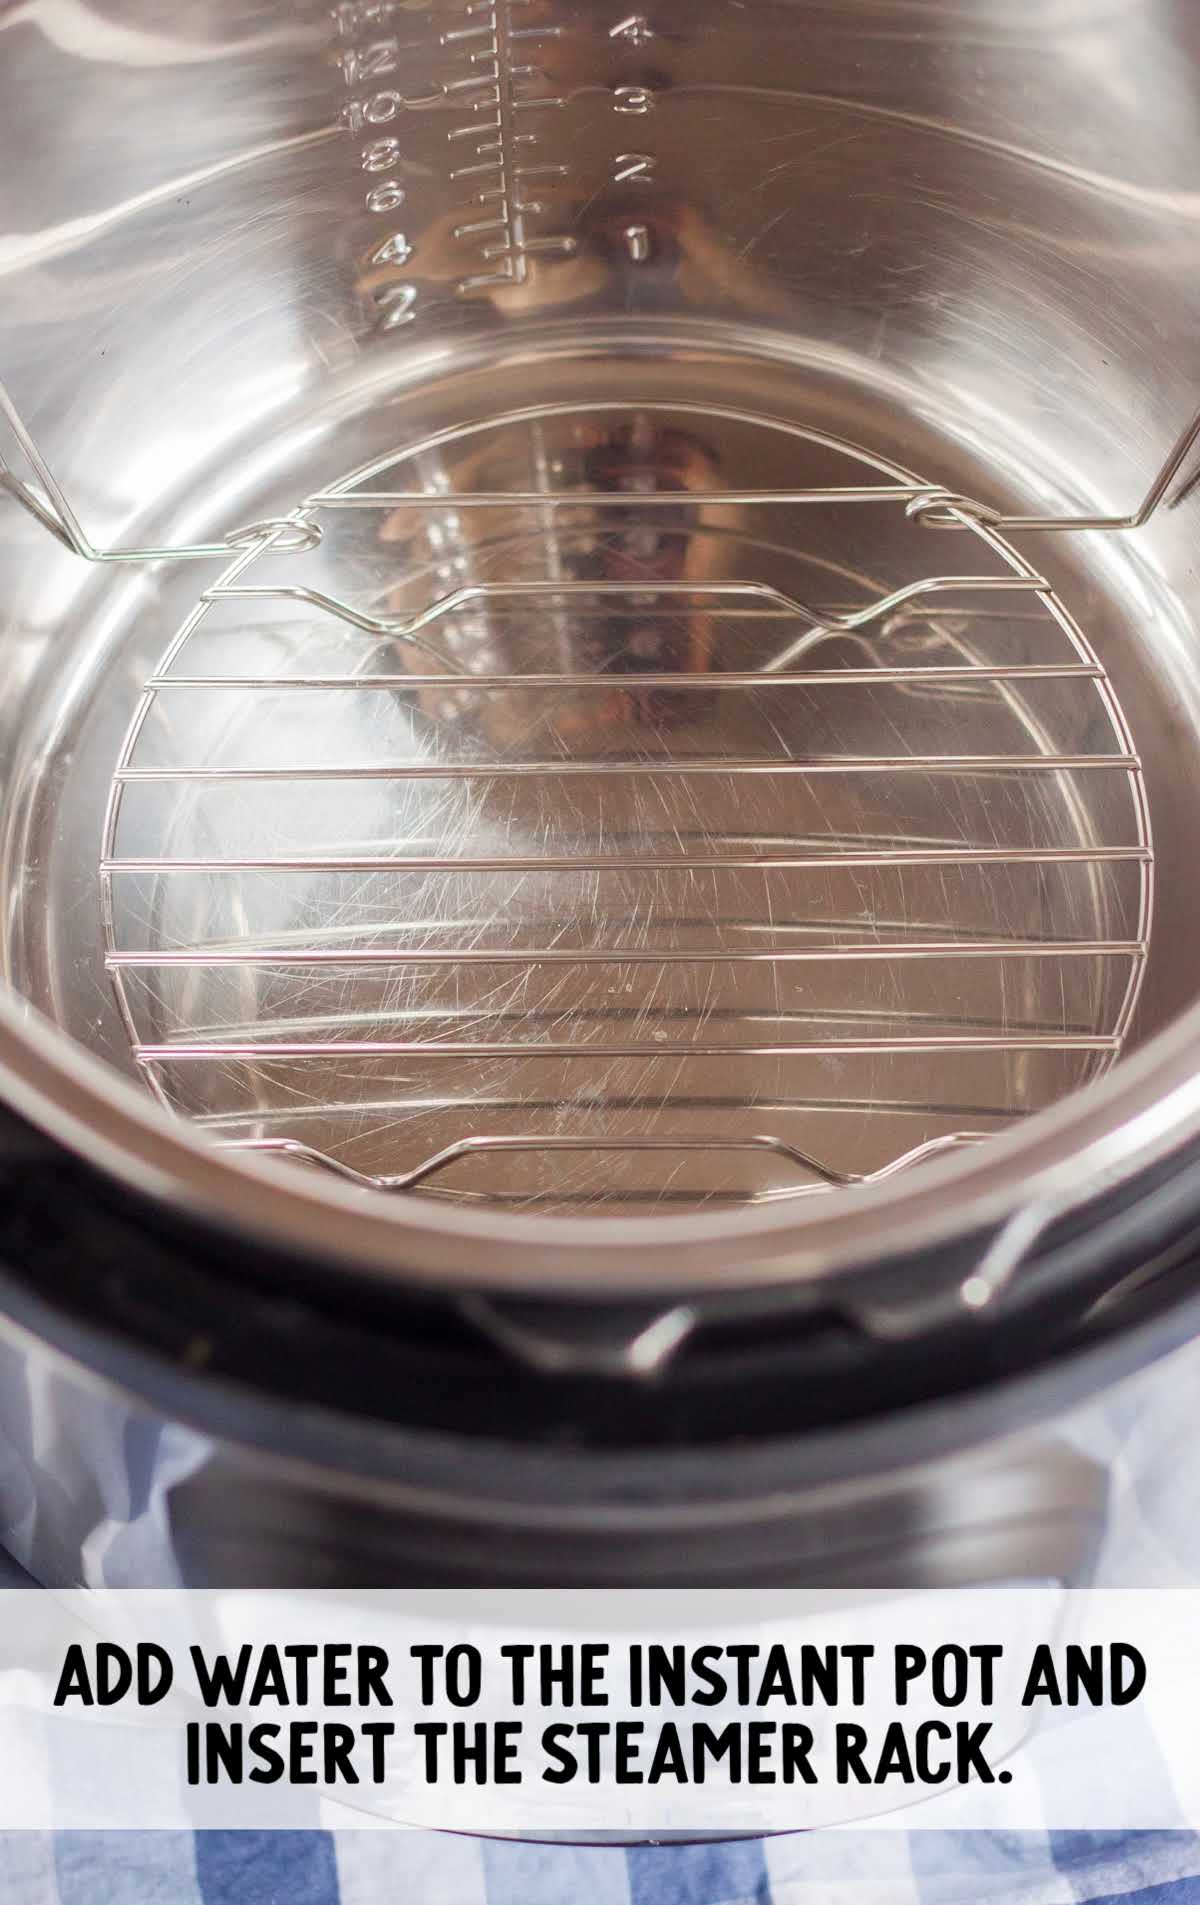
632 720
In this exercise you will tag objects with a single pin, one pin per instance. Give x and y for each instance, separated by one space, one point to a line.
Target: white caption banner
578 1714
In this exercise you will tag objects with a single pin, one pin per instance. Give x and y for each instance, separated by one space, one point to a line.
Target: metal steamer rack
535 646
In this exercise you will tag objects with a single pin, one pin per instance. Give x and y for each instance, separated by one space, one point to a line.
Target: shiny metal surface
699 391
587 881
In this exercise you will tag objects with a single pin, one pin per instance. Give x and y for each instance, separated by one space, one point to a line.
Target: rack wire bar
643 589
486 1145
949 511
609 678
930 504
625 499
1026 983
54 512
628 863
673 765
184 1053
887 950
635 1101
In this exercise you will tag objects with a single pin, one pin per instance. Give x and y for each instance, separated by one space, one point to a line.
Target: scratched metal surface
583 816
579 862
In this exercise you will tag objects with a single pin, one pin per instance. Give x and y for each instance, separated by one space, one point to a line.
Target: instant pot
598 783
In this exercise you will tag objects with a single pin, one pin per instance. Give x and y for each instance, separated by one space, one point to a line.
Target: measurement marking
634 165
508 81
635 28
484 280
563 247
637 240
514 268
480 225
474 81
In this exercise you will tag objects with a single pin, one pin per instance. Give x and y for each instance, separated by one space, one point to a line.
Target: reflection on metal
548 804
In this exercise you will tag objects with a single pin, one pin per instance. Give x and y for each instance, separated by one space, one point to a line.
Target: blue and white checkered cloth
367 1868
1147 1434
